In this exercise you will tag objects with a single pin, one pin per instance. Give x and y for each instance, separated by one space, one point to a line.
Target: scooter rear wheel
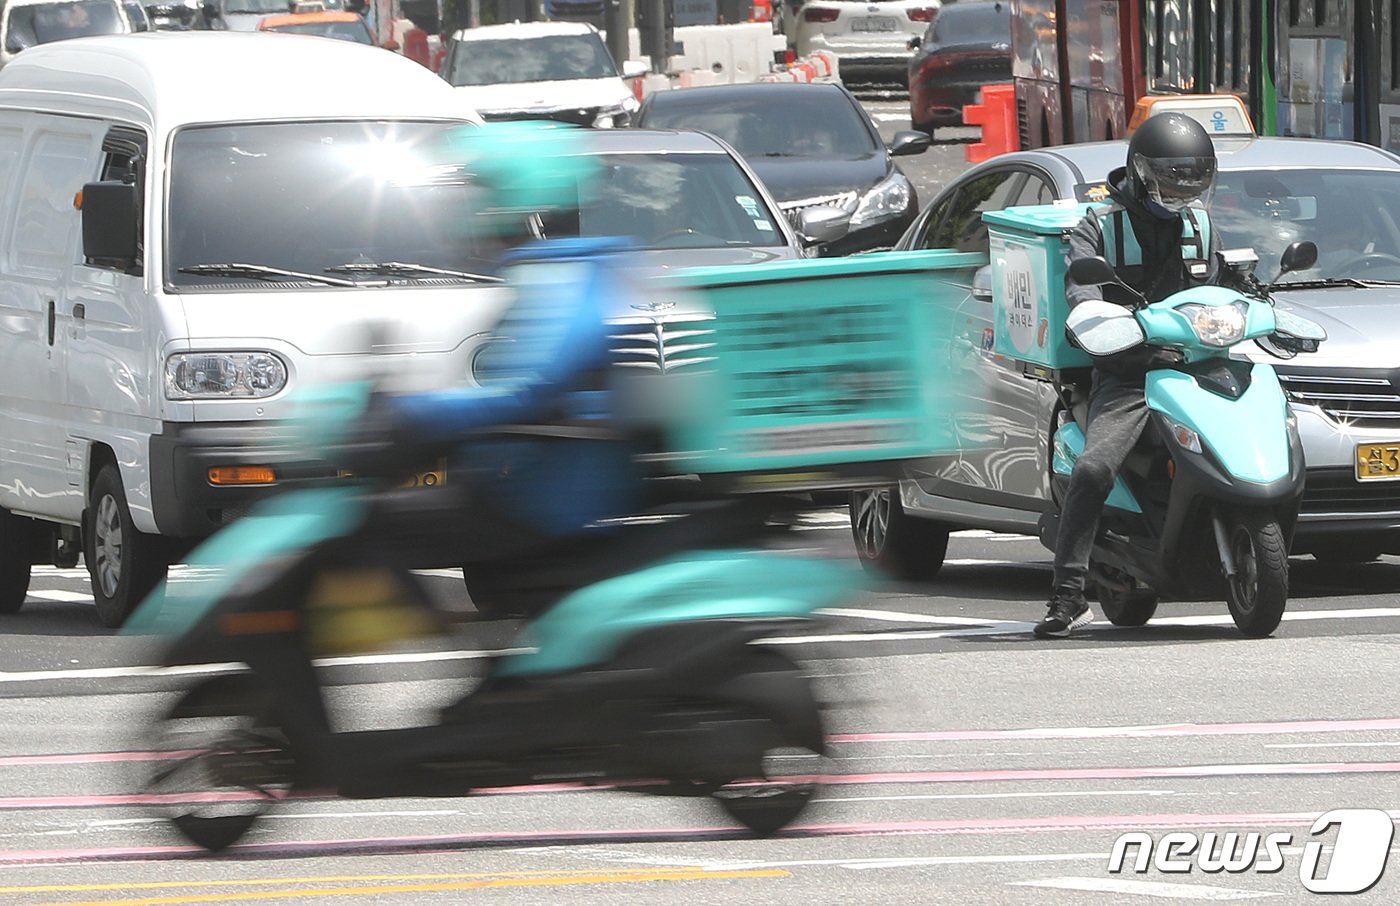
791 766
1258 592
225 761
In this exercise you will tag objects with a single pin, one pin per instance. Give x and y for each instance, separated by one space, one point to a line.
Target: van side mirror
910 142
14 44
211 9
1092 272
632 69
1299 256
110 224
822 224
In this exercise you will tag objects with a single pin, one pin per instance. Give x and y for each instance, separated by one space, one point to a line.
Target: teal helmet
526 167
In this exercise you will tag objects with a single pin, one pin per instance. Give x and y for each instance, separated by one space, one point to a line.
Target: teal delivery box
810 374
1030 252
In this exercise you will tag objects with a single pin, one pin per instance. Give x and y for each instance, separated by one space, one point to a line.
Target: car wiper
259 272
403 269
1323 283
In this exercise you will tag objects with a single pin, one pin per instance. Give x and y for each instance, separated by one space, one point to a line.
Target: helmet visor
1175 182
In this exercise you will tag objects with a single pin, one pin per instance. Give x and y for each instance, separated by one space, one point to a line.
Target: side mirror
910 143
1299 256
632 69
1092 272
14 44
914 43
210 9
110 224
982 283
823 224
1103 328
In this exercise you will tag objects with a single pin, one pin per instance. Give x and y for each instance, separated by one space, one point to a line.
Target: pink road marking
1164 730
1236 729
909 777
975 826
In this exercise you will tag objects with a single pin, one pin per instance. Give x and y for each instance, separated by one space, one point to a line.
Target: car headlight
1216 325
618 116
890 198
223 375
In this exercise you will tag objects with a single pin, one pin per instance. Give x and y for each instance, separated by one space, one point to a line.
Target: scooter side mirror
1299 256
1092 272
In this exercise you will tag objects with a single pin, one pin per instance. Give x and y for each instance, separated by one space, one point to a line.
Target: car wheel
890 541
123 563
16 546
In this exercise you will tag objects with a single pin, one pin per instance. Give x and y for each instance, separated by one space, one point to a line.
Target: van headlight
1216 325
223 375
889 198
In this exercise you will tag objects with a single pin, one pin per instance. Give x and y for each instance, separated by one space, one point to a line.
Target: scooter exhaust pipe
1222 545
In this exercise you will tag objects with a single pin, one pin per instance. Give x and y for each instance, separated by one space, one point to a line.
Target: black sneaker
1067 612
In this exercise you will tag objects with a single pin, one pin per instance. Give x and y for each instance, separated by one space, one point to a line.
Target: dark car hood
795 178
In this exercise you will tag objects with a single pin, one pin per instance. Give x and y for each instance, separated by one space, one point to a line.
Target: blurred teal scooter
1218 475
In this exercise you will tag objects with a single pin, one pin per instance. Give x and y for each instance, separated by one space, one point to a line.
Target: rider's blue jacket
540 430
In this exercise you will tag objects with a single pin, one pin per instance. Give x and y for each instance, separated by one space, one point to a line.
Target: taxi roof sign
1221 114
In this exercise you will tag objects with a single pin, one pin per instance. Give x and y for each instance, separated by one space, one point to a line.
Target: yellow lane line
595 879
341 879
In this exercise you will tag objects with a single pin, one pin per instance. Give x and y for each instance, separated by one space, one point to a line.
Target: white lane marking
55 594
1147 888
856 864
890 117
1359 613
455 573
998 536
895 616
1041 795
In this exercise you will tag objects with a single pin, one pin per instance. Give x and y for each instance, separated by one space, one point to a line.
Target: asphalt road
971 763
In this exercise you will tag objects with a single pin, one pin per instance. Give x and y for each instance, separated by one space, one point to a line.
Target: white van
27 23
542 70
188 224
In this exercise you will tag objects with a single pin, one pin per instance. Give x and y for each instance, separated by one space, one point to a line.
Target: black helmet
1171 160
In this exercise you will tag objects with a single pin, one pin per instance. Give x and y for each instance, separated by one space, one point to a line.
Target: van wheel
890 541
125 565
16 545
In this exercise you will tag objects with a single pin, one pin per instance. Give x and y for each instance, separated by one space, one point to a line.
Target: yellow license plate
1378 462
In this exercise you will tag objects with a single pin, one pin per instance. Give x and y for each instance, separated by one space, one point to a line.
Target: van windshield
308 197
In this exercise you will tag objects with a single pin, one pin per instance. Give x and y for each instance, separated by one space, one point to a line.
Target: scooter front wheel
1258 591
1121 602
223 761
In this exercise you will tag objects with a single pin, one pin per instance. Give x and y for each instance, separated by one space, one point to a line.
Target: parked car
240 15
28 23
541 70
1269 192
967 46
175 15
812 145
870 38
345 26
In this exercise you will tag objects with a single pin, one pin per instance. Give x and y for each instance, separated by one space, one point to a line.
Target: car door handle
53 320
78 329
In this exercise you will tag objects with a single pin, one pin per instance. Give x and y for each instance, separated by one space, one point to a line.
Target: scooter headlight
1216 325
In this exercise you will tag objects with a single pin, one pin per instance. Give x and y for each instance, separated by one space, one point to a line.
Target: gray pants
1117 416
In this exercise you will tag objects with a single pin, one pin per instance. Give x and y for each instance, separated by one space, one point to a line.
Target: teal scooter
655 679
1217 478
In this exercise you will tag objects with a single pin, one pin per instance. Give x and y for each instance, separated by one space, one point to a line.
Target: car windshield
310 196
44 22
551 58
1352 215
345 31
822 124
972 23
670 201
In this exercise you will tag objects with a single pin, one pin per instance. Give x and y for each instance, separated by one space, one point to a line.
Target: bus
1315 68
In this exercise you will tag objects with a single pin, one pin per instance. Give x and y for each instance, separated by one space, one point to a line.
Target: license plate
875 23
1378 462
430 479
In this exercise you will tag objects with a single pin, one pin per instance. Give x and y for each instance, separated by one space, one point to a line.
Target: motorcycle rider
1158 238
